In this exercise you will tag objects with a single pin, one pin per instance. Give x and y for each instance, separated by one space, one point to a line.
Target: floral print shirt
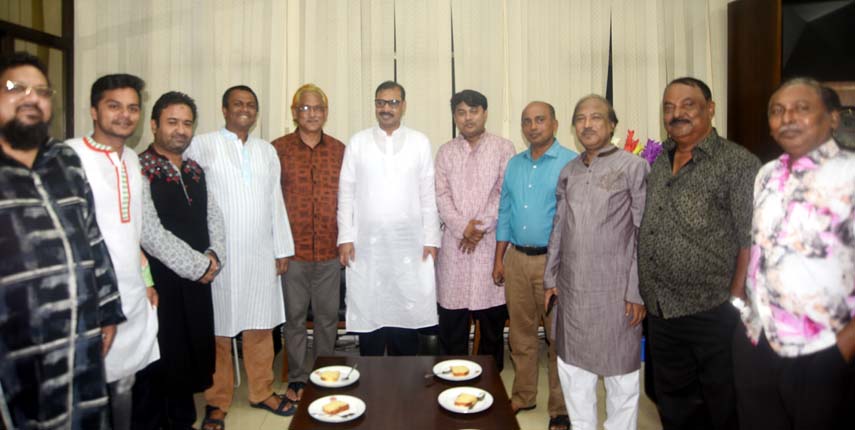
801 278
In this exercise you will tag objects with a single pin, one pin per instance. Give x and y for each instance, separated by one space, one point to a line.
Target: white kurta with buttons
387 209
117 187
244 178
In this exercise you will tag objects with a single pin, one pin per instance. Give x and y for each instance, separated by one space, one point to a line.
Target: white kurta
244 177
387 209
116 185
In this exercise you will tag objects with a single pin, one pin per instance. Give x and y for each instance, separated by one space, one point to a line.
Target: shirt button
525 206
529 185
524 227
534 167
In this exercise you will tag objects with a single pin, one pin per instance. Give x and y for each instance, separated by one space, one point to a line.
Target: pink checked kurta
468 185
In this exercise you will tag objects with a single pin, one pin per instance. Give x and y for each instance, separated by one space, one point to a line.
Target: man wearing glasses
311 162
388 230
56 270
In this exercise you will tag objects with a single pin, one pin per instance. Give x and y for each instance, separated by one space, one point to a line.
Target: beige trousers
524 294
258 360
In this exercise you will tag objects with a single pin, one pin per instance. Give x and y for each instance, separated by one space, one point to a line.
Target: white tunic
117 187
387 209
244 177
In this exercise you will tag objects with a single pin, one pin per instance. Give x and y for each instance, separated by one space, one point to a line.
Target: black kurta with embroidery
57 290
185 311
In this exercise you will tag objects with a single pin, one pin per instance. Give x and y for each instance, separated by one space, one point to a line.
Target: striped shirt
245 179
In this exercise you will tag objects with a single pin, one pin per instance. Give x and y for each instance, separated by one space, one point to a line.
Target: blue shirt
527 205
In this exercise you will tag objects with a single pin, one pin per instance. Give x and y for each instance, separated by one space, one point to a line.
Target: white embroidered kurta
387 209
244 177
117 186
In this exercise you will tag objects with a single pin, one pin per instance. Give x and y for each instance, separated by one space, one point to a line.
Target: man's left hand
429 250
635 312
846 341
281 265
152 296
108 333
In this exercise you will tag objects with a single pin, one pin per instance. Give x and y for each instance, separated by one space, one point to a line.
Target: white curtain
655 41
198 47
513 51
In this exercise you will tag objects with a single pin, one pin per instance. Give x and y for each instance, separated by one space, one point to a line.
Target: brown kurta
592 261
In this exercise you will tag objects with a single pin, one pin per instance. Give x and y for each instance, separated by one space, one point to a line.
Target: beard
24 137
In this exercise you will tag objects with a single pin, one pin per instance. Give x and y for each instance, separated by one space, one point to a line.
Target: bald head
539 124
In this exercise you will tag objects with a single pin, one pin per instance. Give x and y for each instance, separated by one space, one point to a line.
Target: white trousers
580 394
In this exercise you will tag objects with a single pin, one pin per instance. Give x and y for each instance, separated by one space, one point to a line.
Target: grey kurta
592 261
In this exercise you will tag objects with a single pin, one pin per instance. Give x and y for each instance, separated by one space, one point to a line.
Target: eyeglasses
18 89
394 103
315 109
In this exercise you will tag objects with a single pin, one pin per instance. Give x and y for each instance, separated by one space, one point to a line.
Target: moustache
33 106
676 121
788 128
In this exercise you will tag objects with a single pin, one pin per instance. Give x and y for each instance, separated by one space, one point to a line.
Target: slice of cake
335 407
459 370
465 400
329 375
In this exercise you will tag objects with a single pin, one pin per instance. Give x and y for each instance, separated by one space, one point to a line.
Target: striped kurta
468 186
592 261
244 178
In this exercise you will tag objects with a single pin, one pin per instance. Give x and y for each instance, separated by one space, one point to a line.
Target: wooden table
399 396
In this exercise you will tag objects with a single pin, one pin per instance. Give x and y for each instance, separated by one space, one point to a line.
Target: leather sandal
297 388
285 408
210 423
559 422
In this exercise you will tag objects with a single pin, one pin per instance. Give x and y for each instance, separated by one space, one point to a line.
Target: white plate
315 376
357 408
445 366
447 397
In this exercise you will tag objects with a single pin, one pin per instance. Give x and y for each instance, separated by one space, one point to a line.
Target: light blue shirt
527 205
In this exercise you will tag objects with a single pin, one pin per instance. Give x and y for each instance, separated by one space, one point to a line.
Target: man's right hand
471 232
499 273
213 268
346 254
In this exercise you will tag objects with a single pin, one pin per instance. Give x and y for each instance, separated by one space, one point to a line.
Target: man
60 302
388 230
692 255
591 268
311 163
797 370
185 312
128 220
526 210
243 173
469 173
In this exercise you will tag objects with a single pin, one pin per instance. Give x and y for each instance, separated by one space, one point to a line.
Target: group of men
587 246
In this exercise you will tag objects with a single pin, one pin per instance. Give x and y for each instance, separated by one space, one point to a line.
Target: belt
531 250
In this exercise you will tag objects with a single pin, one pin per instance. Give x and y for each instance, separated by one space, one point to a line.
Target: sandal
297 388
517 409
210 423
559 422
285 408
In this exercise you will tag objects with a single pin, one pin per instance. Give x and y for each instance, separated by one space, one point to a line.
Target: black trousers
693 369
814 391
454 331
159 404
391 340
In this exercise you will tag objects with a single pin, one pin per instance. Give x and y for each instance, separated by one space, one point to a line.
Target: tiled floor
243 417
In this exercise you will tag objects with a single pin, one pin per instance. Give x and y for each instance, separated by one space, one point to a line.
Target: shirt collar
604 153
379 132
552 152
707 147
228 135
812 159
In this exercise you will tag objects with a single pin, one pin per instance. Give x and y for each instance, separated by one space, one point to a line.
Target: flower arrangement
648 151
